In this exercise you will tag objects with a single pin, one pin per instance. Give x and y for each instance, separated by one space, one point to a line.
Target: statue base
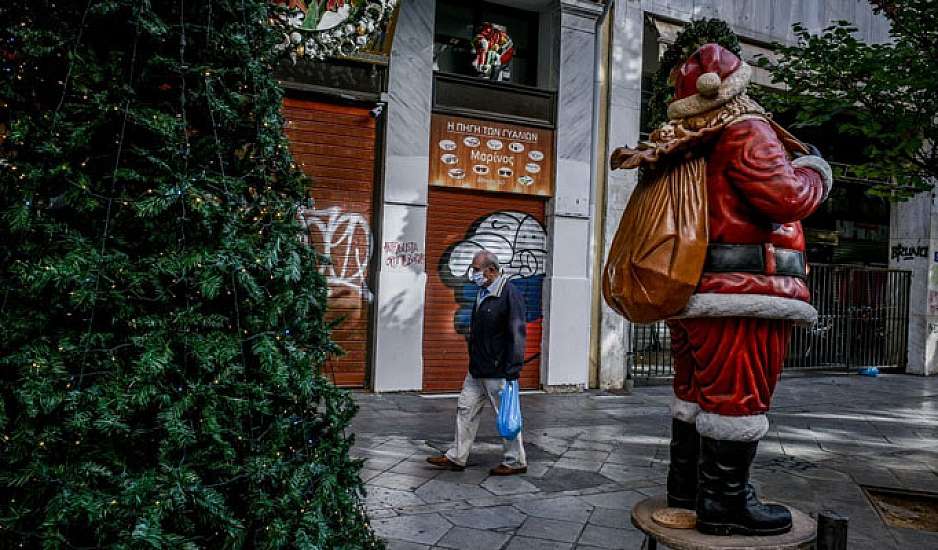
647 514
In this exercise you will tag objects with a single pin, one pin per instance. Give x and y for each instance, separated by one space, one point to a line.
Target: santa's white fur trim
708 84
685 411
732 428
820 166
732 86
748 305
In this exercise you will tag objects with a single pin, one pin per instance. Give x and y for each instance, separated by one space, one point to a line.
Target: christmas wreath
694 35
305 37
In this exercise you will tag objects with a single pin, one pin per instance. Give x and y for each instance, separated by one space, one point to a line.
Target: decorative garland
345 39
694 35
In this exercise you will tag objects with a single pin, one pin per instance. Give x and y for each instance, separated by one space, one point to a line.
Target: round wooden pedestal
801 536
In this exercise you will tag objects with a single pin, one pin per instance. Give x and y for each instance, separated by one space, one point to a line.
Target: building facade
418 162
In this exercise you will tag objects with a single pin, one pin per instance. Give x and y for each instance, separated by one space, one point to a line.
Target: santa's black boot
726 503
682 471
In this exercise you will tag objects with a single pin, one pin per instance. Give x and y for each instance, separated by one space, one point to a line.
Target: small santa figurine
494 50
731 339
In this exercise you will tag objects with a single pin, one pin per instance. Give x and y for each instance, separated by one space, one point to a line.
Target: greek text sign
491 156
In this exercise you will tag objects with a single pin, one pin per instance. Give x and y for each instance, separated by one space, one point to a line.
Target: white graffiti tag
345 238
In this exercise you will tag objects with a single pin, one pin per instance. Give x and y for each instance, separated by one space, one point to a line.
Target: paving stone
435 507
381 496
472 476
881 432
391 480
551 529
609 517
595 456
539 468
621 500
564 479
528 543
366 474
403 545
577 464
473 539
416 468
422 529
587 445
439 491
508 485
564 508
623 473
381 513
486 518
381 463
551 445
608 537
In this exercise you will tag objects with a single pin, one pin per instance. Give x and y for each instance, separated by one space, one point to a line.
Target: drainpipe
598 176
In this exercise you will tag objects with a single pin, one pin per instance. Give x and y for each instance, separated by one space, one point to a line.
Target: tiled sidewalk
592 455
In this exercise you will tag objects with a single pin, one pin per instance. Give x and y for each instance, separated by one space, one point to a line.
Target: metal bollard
831 531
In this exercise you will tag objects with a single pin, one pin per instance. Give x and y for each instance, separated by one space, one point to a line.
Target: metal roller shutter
459 223
335 145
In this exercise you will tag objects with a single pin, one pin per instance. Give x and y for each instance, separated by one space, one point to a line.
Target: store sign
491 156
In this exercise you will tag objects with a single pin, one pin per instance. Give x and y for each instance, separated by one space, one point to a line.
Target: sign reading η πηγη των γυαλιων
491 156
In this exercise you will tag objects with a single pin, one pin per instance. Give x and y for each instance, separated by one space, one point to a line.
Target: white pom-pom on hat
708 84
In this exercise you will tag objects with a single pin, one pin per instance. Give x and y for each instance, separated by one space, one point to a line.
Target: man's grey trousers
475 391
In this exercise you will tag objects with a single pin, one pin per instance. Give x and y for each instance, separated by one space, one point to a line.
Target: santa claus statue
712 241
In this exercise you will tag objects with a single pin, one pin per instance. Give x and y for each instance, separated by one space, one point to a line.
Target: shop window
458 21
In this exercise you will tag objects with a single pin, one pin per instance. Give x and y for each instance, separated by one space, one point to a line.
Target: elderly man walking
496 355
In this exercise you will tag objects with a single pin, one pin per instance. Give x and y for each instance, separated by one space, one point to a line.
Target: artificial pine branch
161 324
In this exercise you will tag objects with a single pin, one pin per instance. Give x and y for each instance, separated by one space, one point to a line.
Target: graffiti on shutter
345 238
520 243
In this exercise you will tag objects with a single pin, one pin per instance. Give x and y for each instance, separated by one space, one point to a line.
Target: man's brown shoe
442 461
502 470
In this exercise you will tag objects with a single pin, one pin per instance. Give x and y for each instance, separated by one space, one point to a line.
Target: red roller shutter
335 145
459 223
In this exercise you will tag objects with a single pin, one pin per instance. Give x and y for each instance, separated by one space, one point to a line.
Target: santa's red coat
729 353
756 196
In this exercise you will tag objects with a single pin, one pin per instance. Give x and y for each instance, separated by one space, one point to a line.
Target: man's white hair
489 259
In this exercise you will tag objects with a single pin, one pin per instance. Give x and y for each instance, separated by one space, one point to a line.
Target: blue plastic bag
509 411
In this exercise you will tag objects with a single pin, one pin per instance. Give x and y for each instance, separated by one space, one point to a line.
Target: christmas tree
161 323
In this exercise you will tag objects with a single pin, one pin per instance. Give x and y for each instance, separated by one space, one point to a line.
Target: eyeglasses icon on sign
471 141
536 156
448 145
516 147
505 172
449 158
526 180
457 173
532 168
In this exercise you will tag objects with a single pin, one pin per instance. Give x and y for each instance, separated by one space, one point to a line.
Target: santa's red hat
710 77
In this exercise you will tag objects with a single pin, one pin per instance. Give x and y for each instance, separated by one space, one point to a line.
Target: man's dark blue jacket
497 333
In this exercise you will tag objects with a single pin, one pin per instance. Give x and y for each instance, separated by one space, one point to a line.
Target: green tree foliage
694 35
885 96
161 324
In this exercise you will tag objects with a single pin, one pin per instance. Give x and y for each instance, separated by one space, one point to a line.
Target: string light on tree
132 307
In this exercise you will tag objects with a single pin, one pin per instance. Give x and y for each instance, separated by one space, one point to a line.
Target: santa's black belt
755 258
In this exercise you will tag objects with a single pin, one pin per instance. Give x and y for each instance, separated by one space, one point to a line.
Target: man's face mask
476 276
